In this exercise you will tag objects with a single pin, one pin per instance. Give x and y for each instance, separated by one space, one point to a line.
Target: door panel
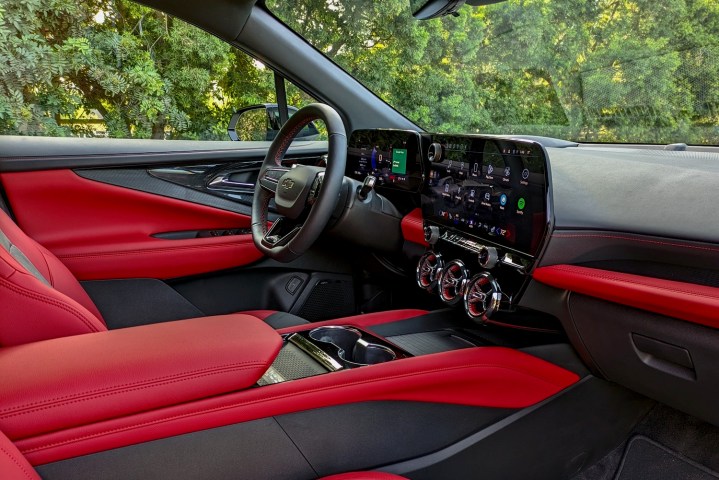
131 211
104 231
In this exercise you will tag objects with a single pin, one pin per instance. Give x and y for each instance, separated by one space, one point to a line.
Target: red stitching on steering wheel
286 142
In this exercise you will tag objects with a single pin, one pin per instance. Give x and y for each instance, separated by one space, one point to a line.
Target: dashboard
484 203
637 250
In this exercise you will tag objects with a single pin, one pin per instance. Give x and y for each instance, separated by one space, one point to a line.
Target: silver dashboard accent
434 153
482 297
431 234
461 241
317 353
487 257
509 261
452 282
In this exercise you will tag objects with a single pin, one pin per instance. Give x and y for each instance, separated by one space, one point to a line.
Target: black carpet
685 436
646 459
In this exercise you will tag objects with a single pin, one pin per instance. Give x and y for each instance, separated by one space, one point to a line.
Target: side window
121 70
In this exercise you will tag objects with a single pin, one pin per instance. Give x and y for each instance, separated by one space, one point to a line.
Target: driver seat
41 299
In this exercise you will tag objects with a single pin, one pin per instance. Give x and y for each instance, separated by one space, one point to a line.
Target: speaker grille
329 299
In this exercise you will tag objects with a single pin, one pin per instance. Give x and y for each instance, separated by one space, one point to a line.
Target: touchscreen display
490 188
393 156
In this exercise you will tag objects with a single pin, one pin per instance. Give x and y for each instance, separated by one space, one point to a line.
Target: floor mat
645 459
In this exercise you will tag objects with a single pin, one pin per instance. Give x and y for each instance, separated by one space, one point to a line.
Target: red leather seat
41 299
13 466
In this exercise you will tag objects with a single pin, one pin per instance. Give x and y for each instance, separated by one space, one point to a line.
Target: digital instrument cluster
394 157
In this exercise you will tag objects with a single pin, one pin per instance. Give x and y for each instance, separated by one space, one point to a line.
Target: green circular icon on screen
520 203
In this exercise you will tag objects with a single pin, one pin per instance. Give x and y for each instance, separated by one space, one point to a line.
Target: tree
149 75
600 70
603 70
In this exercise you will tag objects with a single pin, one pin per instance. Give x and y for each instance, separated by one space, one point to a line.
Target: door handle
225 182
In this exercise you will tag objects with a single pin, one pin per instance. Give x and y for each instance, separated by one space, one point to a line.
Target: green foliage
146 74
599 70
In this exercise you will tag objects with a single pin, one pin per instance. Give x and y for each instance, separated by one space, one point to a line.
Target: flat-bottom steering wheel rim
325 202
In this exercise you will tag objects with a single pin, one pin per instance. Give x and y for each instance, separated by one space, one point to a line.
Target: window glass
640 71
117 69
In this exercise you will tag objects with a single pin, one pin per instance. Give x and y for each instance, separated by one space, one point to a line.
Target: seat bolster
31 311
65 282
13 466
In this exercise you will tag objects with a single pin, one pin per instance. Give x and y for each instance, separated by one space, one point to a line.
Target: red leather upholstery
687 301
486 377
31 310
364 476
69 381
413 227
102 231
13 466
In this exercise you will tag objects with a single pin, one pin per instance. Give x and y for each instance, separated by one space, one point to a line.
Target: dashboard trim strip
686 301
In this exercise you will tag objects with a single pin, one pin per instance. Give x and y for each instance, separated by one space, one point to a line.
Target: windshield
616 71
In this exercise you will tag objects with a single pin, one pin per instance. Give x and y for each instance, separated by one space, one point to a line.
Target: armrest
70 381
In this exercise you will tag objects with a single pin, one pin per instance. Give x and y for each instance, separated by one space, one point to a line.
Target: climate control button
487 257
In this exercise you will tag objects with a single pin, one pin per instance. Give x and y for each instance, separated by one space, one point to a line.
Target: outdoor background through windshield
599 71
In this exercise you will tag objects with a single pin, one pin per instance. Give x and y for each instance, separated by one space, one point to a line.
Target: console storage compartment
65 382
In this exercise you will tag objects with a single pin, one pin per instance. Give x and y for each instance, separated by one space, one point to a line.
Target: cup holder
351 348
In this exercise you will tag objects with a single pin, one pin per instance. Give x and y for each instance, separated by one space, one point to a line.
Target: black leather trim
139 179
253 450
26 154
283 320
585 246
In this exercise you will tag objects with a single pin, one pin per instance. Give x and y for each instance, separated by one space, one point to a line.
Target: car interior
384 303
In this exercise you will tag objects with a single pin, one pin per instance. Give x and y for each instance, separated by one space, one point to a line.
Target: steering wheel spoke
280 233
270 177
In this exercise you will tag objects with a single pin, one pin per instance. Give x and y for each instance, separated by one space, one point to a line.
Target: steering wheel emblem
288 183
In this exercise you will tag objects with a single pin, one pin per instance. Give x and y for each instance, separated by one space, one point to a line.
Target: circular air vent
452 282
428 270
482 296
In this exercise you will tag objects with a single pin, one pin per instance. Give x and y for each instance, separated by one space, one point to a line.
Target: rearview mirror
262 122
426 9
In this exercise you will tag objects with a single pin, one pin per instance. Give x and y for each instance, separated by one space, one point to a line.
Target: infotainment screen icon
399 160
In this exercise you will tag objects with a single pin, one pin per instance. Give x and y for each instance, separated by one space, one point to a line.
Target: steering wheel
305 196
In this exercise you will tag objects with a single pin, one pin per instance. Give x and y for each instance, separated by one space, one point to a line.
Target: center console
485 217
484 201
329 348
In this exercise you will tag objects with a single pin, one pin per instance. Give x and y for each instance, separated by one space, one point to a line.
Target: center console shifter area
485 217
